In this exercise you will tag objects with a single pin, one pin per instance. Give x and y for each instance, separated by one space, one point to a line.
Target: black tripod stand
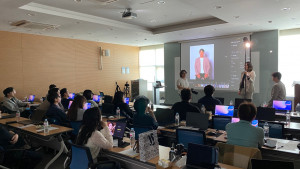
117 88
126 90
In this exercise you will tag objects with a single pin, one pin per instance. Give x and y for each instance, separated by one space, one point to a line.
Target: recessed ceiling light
271 51
236 17
269 21
286 9
30 14
161 2
218 7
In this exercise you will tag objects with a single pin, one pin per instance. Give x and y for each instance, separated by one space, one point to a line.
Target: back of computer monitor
197 120
265 113
222 100
239 101
164 116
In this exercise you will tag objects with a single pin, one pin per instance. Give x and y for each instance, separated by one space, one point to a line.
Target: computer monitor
254 122
224 110
116 128
282 105
71 96
201 156
101 94
126 100
275 129
70 103
197 120
87 106
185 136
265 113
31 98
97 98
222 100
164 116
220 122
238 101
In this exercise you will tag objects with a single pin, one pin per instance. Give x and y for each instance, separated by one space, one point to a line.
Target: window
151 61
288 60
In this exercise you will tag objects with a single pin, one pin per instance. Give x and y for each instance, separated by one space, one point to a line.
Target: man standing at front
202 66
278 90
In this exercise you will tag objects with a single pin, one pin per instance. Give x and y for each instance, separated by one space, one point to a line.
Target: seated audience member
124 108
76 111
45 105
278 89
55 111
94 133
88 94
15 156
64 93
144 116
185 105
243 133
208 100
13 104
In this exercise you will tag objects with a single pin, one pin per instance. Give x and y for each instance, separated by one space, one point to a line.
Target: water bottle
25 99
41 100
203 110
231 103
0 115
298 108
100 101
18 114
46 126
172 153
118 112
177 119
132 137
288 117
266 129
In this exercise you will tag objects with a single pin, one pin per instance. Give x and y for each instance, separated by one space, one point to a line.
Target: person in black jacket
208 100
55 111
185 105
64 93
144 116
124 108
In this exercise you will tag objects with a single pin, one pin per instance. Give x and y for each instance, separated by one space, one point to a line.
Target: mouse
211 133
111 117
298 145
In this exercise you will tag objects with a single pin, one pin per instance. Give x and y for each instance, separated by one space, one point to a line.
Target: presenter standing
182 82
247 82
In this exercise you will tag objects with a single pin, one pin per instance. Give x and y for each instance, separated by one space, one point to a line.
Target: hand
205 75
148 109
14 139
239 92
198 76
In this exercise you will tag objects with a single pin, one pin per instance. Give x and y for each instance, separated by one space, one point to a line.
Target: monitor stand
122 144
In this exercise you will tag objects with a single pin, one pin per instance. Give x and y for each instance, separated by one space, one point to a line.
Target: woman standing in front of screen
247 82
182 82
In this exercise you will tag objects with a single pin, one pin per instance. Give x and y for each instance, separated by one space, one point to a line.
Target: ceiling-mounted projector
127 14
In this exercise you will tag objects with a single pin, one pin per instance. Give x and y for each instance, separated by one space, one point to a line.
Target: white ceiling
175 20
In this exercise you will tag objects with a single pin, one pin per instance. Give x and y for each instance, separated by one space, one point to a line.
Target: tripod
117 88
126 90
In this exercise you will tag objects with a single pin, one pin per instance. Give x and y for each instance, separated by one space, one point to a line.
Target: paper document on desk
129 153
29 125
50 128
290 145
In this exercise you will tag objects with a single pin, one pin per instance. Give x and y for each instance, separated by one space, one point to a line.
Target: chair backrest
108 108
53 120
222 100
276 129
75 126
81 157
265 113
220 122
185 136
141 129
237 156
164 116
263 164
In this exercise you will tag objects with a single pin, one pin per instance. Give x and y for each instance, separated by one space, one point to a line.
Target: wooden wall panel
31 62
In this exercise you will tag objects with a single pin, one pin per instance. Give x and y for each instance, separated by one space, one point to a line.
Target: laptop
126 100
254 122
282 106
70 103
116 128
87 106
265 113
238 101
36 118
71 96
197 120
221 110
164 117
97 98
31 98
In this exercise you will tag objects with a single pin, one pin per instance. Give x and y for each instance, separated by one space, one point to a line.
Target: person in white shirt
246 89
182 82
94 133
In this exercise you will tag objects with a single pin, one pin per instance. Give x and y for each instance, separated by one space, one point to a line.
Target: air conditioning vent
105 2
34 25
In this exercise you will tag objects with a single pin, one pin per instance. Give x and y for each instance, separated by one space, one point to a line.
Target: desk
155 106
53 139
135 163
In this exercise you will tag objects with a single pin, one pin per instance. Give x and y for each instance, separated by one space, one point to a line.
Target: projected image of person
202 66
247 82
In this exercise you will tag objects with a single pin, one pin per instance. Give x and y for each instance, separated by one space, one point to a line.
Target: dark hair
52 96
247 111
77 103
186 94
118 97
140 104
88 94
90 123
209 90
182 72
63 91
8 90
201 50
277 75
250 66
52 86
53 90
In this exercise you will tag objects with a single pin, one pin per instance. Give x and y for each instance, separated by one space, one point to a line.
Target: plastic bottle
298 108
18 114
100 101
25 99
41 100
172 153
266 129
231 103
46 126
132 137
288 117
118 112
203 110
0 115
177 119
